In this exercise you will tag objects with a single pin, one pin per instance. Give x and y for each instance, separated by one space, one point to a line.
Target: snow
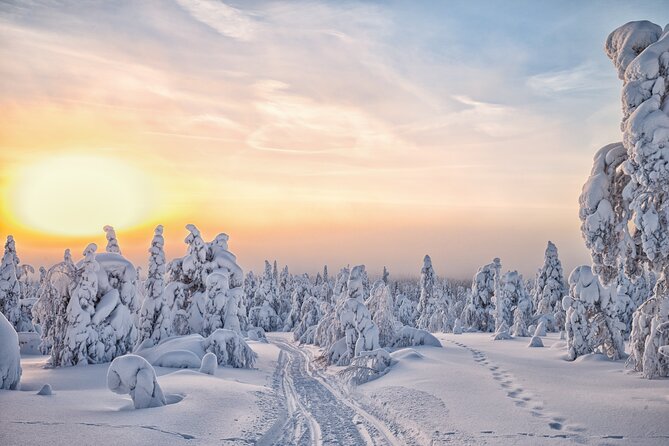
209 364
133 375
408 336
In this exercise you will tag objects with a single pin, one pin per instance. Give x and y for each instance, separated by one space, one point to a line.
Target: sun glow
76 194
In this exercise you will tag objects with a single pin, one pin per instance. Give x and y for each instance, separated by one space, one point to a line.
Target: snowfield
472 391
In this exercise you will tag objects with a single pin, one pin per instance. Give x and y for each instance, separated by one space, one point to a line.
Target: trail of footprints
523 398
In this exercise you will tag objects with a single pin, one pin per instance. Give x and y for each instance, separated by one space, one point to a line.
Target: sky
311 132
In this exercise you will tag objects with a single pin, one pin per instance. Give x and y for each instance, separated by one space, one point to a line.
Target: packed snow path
317 412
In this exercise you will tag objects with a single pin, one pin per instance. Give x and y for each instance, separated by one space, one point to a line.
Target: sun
76 194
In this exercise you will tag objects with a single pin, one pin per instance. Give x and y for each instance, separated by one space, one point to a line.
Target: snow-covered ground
472 391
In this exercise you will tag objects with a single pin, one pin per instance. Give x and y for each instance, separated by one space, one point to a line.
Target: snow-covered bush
366 367
256 334
10 356
502 332
133 375
411 337
478 314
549 286
230 349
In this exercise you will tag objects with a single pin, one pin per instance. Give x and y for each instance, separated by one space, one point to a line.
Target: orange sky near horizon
303 133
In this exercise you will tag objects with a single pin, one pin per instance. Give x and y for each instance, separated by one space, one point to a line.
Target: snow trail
318 413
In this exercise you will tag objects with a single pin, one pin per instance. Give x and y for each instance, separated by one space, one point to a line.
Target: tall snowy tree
549 287
427 293
154 320
10 288
624 206
380 305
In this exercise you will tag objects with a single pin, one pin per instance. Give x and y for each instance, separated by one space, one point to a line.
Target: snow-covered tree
10 356
513 307
80 337
10 288
380 305
549 287
427 293
478 314
361 334
154 320
112 242
406 310
624 202
266 302
309 317
591 317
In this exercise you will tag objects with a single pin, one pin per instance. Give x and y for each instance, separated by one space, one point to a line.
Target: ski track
317 412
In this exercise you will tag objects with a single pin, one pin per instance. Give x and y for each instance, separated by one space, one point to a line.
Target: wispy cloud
225 19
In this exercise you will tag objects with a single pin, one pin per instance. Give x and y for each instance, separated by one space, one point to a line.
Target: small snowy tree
478 314
112 242
549 287
133 375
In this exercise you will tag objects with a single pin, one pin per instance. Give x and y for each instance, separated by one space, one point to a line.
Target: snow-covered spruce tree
591 321
112 242
361 334
285 293
309 317
504 299
266 303
427 294
301 289
549 288
478 314
628 182
29 289
406 310
10 288
154 319
380 305
522 314
80 336
50 309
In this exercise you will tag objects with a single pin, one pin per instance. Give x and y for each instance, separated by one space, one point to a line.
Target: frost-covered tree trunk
154 321
10 288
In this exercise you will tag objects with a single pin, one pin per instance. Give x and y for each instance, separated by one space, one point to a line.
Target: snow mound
228 346
209 364
45 390
10 356
409 337
535 342
593 357
256 334
407 354
133 375
178 359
